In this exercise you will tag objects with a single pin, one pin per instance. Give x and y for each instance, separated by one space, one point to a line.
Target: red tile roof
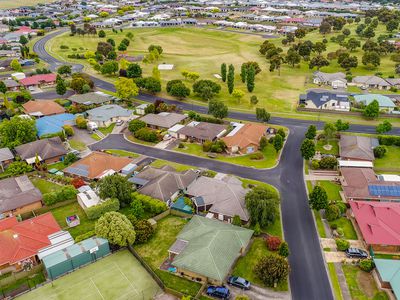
25 29
36 79
21 240
379 222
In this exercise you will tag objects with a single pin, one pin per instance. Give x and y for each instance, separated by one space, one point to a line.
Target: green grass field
391 160
332 189
45 186
118 276
5 4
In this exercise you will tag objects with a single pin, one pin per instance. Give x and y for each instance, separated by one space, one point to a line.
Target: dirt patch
366 284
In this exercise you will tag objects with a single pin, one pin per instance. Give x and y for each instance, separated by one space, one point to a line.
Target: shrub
367 265
135 125
96 211
81 122
273 243
150 204
207 146
84 236
256 156
284 249
315 164
236 220
18 167
333 226
146 134
342 207
379 151
257 229
144 231
69 131
328 162
67 192
132 218
77 182
181 145
342 244
332 212
389 140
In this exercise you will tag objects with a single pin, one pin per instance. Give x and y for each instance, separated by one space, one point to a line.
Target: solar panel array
80 170
384 190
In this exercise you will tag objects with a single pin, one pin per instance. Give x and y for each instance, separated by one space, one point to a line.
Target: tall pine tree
250 78
223 72
231 78
61 89
243 73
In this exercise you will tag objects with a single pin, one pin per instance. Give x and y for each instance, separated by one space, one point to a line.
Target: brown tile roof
249 134
46 149
356 147
43 108
95 164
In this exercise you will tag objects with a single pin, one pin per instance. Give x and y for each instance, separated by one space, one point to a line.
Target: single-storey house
336 80
353 147
54 123
165 183
385 103
39 80
327 100
18 195
6 157
372 82
245 138
163 120
92 98
206 249
105 115
379 223
11 85
222 198
97 165
200 132
42 108
47 150
388 271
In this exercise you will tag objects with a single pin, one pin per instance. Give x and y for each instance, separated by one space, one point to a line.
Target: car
356 253
220 292
239 282
119 122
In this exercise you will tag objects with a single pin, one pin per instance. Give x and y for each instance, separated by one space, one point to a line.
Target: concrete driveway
258 293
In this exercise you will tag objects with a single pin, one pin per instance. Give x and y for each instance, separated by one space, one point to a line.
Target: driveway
258 293
82 135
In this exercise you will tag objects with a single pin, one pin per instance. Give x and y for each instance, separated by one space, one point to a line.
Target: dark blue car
218 292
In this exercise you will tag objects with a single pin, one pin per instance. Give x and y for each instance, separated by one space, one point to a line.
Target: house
22 242
18 195
6 157
42 108
11 85
388 271
222 198
353 147
164 184
245 138
37 81
379 224
336 80
97 165
206 249
200 132
53 124
163 120
92 98
105 115
141 109
363 184
49 150
385 103
371 82
327 100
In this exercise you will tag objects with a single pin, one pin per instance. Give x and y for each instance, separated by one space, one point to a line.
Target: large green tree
272 269
231 78
371 111
116 228
206 89
311 132
223 71
115 186
17 131
307 149
262 205
217 109
134 71
250 77
126 88
318 198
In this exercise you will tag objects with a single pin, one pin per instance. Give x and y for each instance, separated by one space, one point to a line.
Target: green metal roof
389 271
212 248
383 100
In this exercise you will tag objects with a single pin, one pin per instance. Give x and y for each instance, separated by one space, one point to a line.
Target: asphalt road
308 277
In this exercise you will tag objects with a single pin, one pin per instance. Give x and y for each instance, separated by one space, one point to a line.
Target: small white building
87 197
141 109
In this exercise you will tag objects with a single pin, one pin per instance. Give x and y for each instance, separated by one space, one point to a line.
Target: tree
332 212
272 269
109 67
371 59
129 35
126 88
311 132
369 32
318 199
111 42
263 143
17 131
155 73
151 85
137 208
18 167
278 142
3 87
342 245
61 89
113 55
223 71
102 34
319 47
134 71
307 149
115 186
193 76
122 47
238 94
347 62
104 48
325 28
262 115
284 249
243 73
262 205
81 122
231 78
253 100
217 109
329 131
346 32
64 70
15 65
379 151
135 125
371 111
275 63
144 231
255 65
116 228
392 25
384 127
341 126
23 40
155 47
352 44
179 90
251 73
292 57
300 33
236 220
273 243
318 61
206 89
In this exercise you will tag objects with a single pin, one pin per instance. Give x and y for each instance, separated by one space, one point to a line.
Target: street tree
206 89
329 131
126 88
278 142
116 228
318 198
217 109
307 149
341 126
238 94
384 127
262 115
179 90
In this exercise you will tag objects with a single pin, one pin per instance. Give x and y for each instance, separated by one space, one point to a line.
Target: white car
119 122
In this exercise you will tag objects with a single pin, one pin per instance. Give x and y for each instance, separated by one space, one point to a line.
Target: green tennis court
118 276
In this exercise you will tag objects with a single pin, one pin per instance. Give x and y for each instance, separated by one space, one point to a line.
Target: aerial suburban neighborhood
167 150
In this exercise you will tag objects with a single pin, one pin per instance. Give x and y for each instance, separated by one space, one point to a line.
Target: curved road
308 277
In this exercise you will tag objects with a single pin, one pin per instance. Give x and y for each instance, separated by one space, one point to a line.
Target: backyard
390 161
45 186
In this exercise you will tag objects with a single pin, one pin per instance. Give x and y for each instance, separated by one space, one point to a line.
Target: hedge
84 236
389 140
150 204
96 211
64 193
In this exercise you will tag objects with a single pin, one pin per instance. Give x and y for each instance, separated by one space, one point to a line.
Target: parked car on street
220 292
239 282
356 253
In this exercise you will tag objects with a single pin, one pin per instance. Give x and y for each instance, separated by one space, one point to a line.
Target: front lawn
77 145
362 285
321 143
332 189
347 226
122 153
391 160
269 153
107 130
335 281
45 186
245 265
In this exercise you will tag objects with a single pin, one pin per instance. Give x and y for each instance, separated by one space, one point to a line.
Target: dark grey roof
202 130
46 148
320 97
5 154
91 98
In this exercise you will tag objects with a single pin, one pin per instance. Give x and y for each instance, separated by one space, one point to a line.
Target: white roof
18 75
165 67
31 160
59 240
355 164
89 198
389 177
176 127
